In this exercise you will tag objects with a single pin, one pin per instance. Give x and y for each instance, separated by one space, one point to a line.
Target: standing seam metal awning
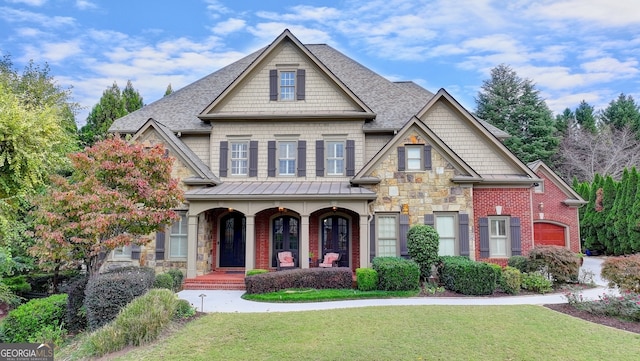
280 190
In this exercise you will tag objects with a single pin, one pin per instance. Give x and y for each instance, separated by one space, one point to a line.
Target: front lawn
395 333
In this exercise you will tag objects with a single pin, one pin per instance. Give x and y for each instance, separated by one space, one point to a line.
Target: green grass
314 295
395 333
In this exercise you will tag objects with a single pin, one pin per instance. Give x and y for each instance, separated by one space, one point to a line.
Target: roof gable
573 198
471 140
248 95
202 173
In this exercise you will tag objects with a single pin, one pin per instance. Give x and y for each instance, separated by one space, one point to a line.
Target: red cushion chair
285 260
330 260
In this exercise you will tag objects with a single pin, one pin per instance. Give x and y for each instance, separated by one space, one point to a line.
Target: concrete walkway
230 301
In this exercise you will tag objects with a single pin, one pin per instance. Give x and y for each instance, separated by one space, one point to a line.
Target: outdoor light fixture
498 210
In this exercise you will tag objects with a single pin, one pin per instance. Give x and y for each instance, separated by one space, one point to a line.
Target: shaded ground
602 320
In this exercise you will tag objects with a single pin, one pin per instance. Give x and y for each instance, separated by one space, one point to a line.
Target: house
299 148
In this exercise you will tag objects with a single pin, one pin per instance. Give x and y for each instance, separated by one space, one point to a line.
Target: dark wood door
286 237
335 238
232 240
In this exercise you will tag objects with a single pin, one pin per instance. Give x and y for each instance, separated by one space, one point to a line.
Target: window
122 252
178 238
498 237
387 235
287 158
287 85
414 157
239 158
446 225
335 158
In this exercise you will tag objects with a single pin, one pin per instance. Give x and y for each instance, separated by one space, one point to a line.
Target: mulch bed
601 320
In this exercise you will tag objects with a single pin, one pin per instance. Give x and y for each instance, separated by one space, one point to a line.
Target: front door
286 237
232 240
335 238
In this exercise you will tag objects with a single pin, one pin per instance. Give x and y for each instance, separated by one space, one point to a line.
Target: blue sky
571 49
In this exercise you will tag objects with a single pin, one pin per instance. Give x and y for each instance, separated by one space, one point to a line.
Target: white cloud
612 66
229 26
29 32
85 5
589 12
28 2
303 13
22 16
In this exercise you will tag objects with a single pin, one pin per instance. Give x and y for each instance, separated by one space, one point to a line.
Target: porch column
304 241
250 243
192 245
364 241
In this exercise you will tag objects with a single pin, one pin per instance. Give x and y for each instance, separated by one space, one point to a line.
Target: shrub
50 282
560 264
29 319
519 262
422 243
367 279
138 323
17 284
396 274
76 318
7 296
318 278
178 277
107 293
163 280
459 274
536 282
497 269
626 305
50 334
511 280
623 272
256 271
184 309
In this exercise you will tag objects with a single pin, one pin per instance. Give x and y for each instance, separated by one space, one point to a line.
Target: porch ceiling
280 190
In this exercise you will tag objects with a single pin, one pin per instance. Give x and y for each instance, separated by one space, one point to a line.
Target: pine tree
169 90
622 112
627 214
132 99
515 106
585 117
604 220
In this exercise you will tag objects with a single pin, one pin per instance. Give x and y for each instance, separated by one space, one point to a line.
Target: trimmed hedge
29 319
623 272
178 277
511 280
76 319
107 293
367 279
318 278
396 274
422 244
519 262
163 280
459 274
560 264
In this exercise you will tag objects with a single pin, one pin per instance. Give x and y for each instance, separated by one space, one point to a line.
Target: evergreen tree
633 222
110 107
566 121
626 223
169 90
131 98
603 222
622 112
515 106
585 117
587 226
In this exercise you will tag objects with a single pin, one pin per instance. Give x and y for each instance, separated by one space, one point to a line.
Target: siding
200 145
375 142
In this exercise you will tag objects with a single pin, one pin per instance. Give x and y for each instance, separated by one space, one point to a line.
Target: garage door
548 234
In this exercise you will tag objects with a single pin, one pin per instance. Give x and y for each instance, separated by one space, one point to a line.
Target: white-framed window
499 237
414 157
239 158
287 85
335 157
387 230
447 225
123 252
178 238
287 158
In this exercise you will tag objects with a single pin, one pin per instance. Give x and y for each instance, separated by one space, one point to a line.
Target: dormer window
286 83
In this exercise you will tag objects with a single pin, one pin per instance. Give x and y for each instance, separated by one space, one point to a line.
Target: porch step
213 286
216 281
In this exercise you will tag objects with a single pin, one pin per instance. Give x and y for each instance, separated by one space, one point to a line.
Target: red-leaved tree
117 195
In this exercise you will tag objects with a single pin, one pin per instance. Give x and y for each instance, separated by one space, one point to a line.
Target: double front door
335 238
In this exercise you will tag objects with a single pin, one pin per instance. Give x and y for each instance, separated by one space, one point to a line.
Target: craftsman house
299 148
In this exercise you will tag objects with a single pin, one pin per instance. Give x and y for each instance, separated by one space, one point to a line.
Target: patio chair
331 259
285 260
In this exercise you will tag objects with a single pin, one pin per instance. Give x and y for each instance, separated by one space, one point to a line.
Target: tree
117 195
515 106
585 117
566 121
169 90
112 105
622 112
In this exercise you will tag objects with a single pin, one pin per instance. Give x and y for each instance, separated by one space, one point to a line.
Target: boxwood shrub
107 293
462 275
396 273
519 262
367 279
30 318
178 277
163 280
318 278
511 280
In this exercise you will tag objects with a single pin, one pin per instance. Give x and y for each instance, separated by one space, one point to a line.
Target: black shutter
302 158
427 157
300 84
403 229
271 158
429 219
135 251
372 239
273 84
351 158
320 158
401 159
160 245
516 247
463 233
483 228
253 158
224 154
